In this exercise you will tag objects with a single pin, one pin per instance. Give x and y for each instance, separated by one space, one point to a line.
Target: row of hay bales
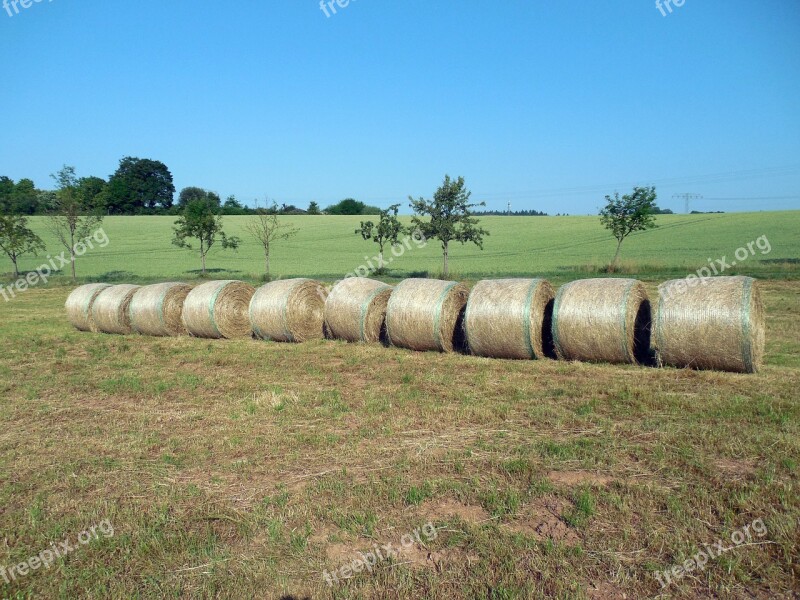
716 325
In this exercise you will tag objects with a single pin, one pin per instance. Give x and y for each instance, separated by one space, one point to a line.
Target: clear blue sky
547 104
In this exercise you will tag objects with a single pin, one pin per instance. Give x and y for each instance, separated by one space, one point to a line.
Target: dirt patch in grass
605 591
543 520
438 510
733 468
573 478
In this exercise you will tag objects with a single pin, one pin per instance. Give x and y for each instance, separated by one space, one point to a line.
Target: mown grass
242 469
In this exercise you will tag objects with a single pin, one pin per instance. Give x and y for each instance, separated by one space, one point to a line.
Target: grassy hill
140 249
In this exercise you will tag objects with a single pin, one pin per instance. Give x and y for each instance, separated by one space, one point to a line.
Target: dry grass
715 324
79 305
109 312
218 309
243 469
158 309
355 310
289 310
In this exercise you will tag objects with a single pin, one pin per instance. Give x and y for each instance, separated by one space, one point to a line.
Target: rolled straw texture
110 309
79 305
218 309
713 323
510 318
426 314
158 309
606 320
289 310
356 309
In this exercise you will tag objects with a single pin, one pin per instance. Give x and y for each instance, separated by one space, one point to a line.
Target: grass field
247 469
140 249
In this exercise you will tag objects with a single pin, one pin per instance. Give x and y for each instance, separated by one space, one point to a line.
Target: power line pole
686 198
508 213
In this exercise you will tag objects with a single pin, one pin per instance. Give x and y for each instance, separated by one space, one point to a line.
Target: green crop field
140 248
251 469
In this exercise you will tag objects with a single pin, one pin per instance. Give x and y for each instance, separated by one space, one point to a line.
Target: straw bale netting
712 323
289 310
356 309
426 314
604 320
157 309
218 309
510 318
110 309
79 305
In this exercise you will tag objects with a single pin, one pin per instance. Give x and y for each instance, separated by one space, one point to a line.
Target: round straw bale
356 309
157 309
510 318
289 310
79 305
426 314
110 309
713 323
604 320
218 309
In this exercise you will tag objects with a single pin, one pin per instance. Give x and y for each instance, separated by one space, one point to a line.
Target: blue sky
548 105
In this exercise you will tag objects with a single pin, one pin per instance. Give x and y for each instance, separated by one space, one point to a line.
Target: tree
266 229
313 209
451 218
201 220
139 185
349 206
385 232
17 239
233 207
93 190
72 217
632 212
195 193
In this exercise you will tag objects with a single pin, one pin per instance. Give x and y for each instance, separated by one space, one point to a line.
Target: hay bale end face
426 314
158 309
79 305
289 310
355 310
218 309
604 320
110 312
510 318
714 323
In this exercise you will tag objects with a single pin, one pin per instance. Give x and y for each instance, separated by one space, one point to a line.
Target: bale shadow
199 272
642 351
548 342
460 343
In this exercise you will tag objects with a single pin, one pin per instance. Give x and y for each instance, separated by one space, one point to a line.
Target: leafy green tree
93 191
201 220
451 218
266 229
387 231
22 198
16 238
188 194
72 217
313 209
139 185
630 213
349 206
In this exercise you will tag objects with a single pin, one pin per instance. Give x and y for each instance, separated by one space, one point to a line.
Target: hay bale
218 309
79 305
110 309
604 320
157 309
510 318
289 310
426 314
714 323
356 309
